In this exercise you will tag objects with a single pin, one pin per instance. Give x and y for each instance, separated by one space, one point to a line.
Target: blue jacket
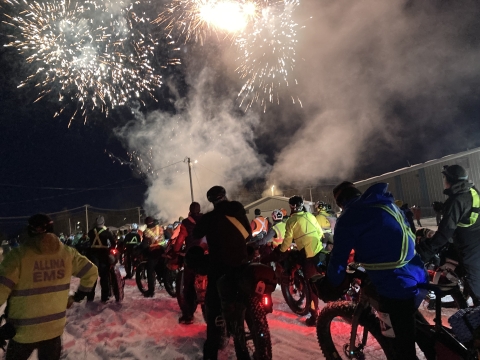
376 237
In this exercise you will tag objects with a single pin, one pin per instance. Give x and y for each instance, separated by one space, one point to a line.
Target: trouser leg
189 304
213 311
50 349
399 324
18 351
310 269
103 273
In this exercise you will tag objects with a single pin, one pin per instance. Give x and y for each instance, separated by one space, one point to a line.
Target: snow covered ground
140 328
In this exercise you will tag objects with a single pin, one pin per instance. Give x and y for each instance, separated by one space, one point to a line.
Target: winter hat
100 221
399 203
39 224
454 173
194 208
258 212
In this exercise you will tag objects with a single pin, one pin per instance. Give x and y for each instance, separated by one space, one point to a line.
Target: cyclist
227 230
460 222
185 236
132 239
303 229
385 246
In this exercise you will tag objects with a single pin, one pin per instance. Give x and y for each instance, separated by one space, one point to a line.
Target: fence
83 218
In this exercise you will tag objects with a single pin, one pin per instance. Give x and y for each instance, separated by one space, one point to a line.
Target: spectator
417 213
438 208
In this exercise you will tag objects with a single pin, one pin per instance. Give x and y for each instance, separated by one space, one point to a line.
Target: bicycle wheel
170 282
141 277
334 325
296 293
253 341
116 283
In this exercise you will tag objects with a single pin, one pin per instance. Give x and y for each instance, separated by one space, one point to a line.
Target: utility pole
69 227
190 175
311 198
138 216
86 217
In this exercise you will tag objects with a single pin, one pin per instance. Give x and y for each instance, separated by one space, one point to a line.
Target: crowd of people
378 230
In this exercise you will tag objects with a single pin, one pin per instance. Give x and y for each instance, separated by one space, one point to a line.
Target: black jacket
457 209
107 240
226 245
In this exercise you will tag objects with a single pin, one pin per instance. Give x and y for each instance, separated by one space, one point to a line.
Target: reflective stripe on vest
406 232
260 225
280 231
238 225
475 209
97 243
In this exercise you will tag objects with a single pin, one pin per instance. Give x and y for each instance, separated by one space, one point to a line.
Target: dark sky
37 150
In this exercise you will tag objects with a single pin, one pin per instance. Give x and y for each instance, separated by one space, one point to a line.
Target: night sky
39 151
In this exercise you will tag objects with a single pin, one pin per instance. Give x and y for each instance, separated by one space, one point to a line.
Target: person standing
188 303
227 230
152 243
460 223
417 213
101 241
35 283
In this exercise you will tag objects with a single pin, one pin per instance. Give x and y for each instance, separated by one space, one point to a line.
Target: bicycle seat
440 289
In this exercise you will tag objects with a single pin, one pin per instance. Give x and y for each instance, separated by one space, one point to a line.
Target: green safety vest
280 230
475 209
406 232
97 243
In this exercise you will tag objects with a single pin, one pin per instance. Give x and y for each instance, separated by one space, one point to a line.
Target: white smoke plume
208 129
374 75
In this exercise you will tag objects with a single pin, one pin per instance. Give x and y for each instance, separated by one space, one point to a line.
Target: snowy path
140 328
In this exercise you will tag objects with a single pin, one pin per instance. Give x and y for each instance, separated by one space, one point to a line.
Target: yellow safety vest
280 232
406 232
97 243
475 209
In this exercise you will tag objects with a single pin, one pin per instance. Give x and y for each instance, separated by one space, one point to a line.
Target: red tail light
114 252
266 301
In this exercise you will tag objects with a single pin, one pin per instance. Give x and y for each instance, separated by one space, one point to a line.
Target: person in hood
185 237
35 283
460 223
227 231
101 241
384 245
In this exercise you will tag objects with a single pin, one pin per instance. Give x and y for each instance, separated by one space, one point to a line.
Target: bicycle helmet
134 226
296 203
149 221
277 215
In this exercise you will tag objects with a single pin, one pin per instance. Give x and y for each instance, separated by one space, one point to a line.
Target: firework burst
92 54
267 54
196 19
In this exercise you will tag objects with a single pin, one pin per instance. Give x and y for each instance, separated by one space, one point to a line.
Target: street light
273 187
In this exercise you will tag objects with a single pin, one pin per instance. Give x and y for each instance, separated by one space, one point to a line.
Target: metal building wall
422 184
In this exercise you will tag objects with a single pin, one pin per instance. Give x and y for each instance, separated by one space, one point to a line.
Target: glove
79 296
325 291
425 252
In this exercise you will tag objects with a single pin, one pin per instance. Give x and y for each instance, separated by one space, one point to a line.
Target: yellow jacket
304 230
323 221
279 229
35 279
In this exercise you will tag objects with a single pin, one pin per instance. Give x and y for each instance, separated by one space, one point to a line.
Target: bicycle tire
141 276
297 285
345 310
116 283
253 340
170 282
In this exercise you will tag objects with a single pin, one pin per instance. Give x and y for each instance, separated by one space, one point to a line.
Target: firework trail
267 54
196 19
94 54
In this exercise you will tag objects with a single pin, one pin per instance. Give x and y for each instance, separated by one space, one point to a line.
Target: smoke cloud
207 128
377 79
